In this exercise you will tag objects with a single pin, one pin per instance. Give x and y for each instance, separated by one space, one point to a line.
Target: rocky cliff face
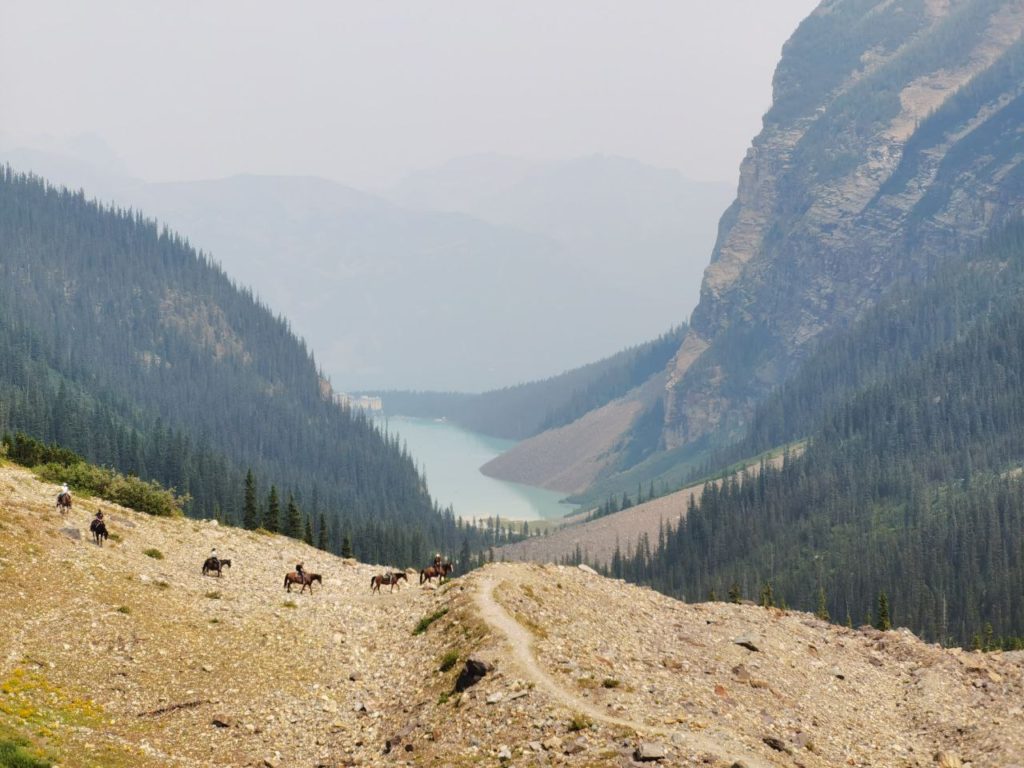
894 138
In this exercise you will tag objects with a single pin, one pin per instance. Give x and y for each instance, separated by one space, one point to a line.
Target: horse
439 571
99 531
388 578
63 502
306 580
215 564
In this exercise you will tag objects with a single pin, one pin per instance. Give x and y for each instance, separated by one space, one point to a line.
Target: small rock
355 676
494 698
777 744
575 747
948 760
536 746
504 753
749 642
222 722
359 707
207 668
741 673
587 569
552 744
649 751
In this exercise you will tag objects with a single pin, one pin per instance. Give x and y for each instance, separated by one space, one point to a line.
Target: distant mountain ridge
458 279
893 141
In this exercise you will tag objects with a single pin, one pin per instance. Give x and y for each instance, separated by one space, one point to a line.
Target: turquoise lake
451 457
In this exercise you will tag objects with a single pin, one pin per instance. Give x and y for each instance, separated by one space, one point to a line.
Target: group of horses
216 565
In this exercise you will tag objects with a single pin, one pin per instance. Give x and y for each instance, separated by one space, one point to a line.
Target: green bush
426 621
13 755
128 491
449 660
155 553
29 452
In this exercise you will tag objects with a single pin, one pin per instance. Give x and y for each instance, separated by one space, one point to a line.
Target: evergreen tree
322 537
249 511
767 597
883 623
307 535
293 519
272 514
734 593
822 611
346 547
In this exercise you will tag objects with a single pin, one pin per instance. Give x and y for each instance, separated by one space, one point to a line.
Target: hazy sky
363 92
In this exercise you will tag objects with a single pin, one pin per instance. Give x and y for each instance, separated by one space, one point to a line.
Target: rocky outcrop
893 140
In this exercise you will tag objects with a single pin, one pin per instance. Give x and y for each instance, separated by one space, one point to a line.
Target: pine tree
249 512
734 593
465 556
322 538
883 623
272 515
293 519
767 598
346 546
307 535
822 612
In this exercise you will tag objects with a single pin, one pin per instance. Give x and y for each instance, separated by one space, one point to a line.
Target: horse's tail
423 575
285 581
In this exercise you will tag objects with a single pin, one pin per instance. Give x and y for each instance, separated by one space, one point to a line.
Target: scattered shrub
124 609
155 553
289 604
449 660
213 595
610 682
426 621
14 755
579 722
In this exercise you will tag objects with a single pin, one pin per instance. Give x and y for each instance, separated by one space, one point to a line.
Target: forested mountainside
120 342
912 481
523 410
893 141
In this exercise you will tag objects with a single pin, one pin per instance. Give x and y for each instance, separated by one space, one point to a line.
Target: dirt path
521 645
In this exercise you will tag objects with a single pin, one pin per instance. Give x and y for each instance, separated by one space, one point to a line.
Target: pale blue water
452 457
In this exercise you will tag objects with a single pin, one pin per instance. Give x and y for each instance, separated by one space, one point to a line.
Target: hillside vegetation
118 658
120 342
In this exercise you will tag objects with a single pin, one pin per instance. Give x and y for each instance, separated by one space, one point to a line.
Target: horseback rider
300 569
437 561
64 491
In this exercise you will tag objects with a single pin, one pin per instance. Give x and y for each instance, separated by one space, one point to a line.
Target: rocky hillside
893 140
126 655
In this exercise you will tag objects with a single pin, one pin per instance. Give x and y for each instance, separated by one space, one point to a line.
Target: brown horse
306 580
388 578
440 572
64 503
214 564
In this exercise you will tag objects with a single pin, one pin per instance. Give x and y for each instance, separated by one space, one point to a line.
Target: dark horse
99 531
388 578
214 564
440 572
306 580
63 503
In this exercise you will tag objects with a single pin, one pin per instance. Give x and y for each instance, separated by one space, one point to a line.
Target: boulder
650 751
472 673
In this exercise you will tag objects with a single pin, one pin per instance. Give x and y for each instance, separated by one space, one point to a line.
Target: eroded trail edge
520 643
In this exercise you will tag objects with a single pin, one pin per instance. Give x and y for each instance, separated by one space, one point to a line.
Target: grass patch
114 537
162 584
215 621
426 621
586 683
535 629
449 660
155 553
610 682
443 698
579 722
14 754
213 595
124 609
289 604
